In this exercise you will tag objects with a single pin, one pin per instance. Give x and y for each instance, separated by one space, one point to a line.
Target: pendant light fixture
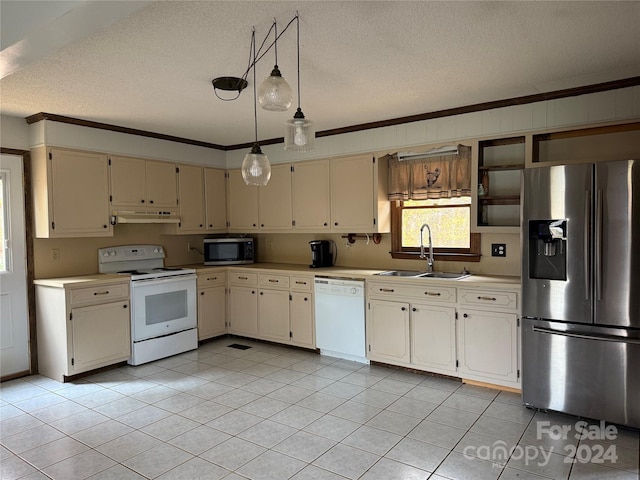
256 169
299 132
275 93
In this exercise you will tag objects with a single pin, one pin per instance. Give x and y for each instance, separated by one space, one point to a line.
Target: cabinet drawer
489 298
302 284
211 279
432 293
274 281
243 278
99 294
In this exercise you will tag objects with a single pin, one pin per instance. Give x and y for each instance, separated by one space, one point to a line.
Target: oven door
162 306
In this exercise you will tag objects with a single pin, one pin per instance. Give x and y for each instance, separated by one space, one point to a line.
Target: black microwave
228 251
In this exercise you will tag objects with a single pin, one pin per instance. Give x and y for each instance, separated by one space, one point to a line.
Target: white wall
14 133
611 106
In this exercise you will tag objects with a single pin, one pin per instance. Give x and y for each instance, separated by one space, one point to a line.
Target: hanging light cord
297 19
255 108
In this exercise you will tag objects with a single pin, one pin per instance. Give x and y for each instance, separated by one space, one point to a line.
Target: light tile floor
271 412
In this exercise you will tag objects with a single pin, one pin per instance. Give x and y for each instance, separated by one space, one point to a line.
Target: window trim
471 254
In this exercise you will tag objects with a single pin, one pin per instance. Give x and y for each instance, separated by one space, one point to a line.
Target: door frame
28 224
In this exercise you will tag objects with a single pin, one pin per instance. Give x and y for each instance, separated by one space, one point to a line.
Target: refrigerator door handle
587 245
598 245
587 336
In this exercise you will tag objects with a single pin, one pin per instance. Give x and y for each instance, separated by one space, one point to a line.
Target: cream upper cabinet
70 193
359 200
191 199
274 200
215 200
311 196
265 208
139 183
243 203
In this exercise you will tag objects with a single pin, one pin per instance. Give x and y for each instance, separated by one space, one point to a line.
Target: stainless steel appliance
322 253
229 251
581 290
339 313
163 301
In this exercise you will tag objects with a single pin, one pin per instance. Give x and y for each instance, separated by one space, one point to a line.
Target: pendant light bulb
299 138
299 133
256 169
274 93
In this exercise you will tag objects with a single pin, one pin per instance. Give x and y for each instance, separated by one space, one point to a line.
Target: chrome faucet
422 255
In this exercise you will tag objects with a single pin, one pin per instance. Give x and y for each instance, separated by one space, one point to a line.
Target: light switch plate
498 250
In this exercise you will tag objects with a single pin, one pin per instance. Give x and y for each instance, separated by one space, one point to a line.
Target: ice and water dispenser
548 249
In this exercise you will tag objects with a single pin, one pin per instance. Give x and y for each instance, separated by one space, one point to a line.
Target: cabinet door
311 196
101 335
215 200
274 200
212 312
273 315
243 311
191 191
127 182
80 194
243 203
352 194
488 345
161 184
388 331
301 317
433 337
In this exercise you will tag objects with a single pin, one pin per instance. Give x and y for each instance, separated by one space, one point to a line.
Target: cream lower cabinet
433 337
81 325
212 303
388 332
70 193
469 333
271 305
488 336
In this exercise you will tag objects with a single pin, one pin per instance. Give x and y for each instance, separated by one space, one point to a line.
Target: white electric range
163 301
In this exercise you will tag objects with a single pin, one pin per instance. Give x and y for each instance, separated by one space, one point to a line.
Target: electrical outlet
498 250
55 254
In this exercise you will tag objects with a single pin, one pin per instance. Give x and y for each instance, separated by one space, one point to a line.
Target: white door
14 326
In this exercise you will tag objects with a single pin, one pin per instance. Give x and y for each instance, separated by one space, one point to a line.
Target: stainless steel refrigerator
581 290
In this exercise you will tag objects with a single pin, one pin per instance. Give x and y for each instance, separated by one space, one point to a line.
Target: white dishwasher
340 309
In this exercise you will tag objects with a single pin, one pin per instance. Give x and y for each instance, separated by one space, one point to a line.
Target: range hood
132 216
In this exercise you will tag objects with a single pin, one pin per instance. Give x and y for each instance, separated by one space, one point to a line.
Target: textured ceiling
148 65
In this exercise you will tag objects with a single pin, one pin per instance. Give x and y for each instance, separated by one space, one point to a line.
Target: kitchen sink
447 275
416 274
401 273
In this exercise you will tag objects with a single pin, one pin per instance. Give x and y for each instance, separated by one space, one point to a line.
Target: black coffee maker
321 253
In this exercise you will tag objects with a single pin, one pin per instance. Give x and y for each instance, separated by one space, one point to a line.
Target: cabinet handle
254 224
106 292
253 292
262 225
201 293
414 309
336 224
272 280
433 294
490 299
124 306
243 278
300 283
150 201
210 226
209 278
104 226
200 224
465 315
305 299
142 201
388 290
261 293
324 224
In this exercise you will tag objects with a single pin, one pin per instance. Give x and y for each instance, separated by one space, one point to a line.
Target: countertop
80 281
370 274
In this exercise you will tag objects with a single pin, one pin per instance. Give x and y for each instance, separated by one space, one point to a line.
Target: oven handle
164 280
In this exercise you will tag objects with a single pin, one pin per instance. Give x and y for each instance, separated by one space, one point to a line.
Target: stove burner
132 272
168 269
